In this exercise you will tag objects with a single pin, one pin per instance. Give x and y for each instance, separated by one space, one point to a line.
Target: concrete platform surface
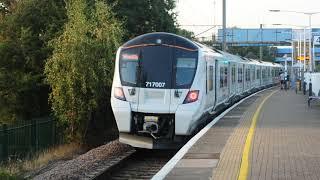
285 142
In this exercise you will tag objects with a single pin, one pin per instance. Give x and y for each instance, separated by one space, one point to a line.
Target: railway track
142 164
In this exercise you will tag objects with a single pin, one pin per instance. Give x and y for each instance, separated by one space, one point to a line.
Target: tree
7 6
253 52
185 33
141 17
81 65
25 32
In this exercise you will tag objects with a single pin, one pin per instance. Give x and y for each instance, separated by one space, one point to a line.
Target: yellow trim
244 168
302 58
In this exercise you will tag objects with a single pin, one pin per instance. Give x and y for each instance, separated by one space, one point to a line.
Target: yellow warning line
244 168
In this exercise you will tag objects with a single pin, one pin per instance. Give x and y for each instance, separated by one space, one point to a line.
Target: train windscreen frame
158 66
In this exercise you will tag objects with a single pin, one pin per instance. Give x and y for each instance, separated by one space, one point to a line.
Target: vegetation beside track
57 60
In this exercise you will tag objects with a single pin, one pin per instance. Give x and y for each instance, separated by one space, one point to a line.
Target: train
166 87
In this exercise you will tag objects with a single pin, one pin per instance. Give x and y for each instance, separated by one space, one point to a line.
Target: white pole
298 47
292 53
310 50
304 50
313 57
224 26
300 54
292 56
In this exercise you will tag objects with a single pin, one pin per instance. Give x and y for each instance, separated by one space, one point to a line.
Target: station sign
301 58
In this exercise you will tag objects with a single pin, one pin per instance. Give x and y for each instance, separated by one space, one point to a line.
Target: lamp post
299 51
260 48
224 26
310 14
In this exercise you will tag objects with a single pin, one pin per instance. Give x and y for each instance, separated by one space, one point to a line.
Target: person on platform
282 79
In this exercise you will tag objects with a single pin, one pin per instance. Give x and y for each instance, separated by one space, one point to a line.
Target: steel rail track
141 164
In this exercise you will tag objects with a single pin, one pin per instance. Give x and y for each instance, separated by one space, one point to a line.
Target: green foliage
185 33
6 6
8 176
24 36
140 16
78 74
82 63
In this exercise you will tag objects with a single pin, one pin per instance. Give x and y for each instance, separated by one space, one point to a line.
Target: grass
7 176
16 169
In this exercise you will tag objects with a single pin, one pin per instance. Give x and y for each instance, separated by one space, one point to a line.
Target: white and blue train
166 86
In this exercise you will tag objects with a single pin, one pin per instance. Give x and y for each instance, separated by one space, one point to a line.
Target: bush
7 176
81 67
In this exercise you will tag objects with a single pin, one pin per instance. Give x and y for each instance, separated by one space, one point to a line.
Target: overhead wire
205 31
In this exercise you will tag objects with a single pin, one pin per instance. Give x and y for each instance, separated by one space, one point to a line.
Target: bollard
4 142
310 94
299 85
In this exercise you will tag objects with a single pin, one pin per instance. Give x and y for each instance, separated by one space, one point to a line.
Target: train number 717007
155 84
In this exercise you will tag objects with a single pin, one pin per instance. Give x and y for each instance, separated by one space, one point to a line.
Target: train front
155 97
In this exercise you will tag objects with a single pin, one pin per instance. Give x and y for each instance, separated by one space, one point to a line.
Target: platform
283 144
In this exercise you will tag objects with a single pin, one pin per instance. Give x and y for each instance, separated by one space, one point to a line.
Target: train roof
163 38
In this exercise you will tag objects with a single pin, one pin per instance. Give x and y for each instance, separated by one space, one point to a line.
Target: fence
21 140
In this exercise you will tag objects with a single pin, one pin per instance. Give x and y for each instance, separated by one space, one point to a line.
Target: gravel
79 167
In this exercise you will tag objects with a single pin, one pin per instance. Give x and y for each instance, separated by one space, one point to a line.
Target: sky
245 13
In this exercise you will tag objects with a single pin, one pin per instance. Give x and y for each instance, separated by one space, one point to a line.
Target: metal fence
18 141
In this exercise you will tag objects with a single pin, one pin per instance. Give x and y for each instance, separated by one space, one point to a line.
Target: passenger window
233 74
247 75
225 76
253 74
240 75
221 77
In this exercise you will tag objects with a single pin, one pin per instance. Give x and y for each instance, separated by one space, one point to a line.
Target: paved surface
286 142
226 137
287 139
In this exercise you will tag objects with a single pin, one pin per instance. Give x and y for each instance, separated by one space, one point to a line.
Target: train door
243 77
223 87
260 75
246 82
210 81
229 78
233 79
240 78
216 80
253 76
